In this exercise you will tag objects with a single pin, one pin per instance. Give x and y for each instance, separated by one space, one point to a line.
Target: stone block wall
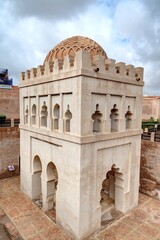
150 107
9 102
9 151
150 169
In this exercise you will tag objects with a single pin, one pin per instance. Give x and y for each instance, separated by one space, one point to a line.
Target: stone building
151 107
9 136
80 131
9 151
9 101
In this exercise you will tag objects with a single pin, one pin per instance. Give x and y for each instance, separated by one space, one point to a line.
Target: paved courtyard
24 220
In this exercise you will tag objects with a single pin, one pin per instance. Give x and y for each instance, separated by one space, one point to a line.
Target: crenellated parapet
82 63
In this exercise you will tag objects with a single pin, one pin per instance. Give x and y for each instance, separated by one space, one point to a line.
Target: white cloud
128 31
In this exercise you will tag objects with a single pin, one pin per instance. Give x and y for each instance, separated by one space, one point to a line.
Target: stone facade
150 107
9 150
9 102
81 127
150 169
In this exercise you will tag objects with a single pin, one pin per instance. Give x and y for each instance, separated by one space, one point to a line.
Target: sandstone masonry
9 150
150 169
9 102
80 128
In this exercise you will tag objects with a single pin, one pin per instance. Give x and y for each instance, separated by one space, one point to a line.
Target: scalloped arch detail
72 45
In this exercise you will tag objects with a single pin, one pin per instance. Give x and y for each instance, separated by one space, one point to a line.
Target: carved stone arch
71 52
37 165
33 117
44 115
97 120
114 116
56 116
36 179
64 52
52 173
112 186
128 117
68 117
52 182
58 54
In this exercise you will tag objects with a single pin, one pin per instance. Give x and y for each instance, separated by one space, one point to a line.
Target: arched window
33 114
114 118
44 115
26 115
56 114
97 120
68 117
128 117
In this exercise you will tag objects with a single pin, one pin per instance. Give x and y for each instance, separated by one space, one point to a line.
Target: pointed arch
33 117
37 165
36 179
44 115
56 116
52 182
71 52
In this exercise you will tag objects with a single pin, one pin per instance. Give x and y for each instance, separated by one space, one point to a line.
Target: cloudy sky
128 30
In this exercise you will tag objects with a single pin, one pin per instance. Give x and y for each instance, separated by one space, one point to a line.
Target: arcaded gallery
80 134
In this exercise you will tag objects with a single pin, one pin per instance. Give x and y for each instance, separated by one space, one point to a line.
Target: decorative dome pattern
72 45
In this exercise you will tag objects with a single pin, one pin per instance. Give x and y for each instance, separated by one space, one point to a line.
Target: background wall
150 107
9 102
150 168
9 150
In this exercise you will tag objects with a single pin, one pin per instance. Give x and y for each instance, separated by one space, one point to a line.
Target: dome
72 45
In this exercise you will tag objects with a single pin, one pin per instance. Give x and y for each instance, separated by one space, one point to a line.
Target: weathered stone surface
7 228
150 167
71 45
9 150
80 119
3 233
148 184
9 102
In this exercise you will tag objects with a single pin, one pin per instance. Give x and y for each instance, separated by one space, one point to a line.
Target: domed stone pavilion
80 128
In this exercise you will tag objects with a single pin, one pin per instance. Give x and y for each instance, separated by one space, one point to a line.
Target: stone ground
22 219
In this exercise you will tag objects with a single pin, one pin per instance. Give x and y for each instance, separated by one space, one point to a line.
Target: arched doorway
36 181
109 196
52 181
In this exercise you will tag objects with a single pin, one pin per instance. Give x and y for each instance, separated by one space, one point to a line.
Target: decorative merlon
82 60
